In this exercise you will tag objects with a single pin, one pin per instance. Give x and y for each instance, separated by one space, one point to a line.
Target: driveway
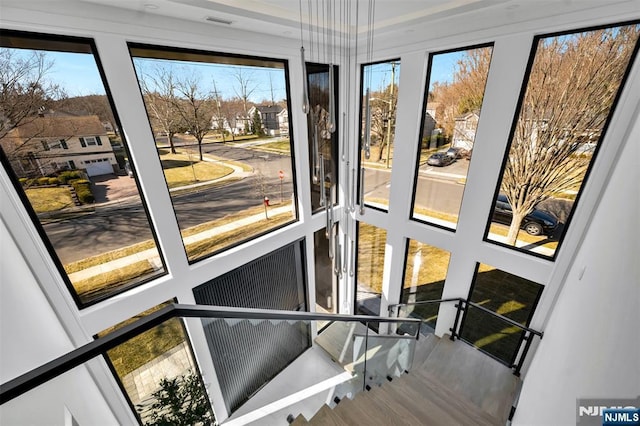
112 187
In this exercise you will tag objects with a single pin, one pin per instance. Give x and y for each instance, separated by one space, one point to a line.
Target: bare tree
89 105
195 107
572 85
231 111
244 87
24 89
470 79
261 187
159 89
465 92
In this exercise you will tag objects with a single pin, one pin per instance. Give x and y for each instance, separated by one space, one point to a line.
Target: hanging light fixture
330 26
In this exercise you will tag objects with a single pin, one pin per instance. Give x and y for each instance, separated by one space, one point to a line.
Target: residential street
124 222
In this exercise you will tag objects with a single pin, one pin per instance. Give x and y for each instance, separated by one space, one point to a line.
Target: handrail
505 319
462 306
30 380
424 302
475 305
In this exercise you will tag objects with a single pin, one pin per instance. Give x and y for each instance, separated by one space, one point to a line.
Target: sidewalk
152 255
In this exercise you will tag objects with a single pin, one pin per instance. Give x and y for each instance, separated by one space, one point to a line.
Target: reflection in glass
505 294
568 99
424 276
452 110
322 143
221 128
379 104
326 285
63 145
158 373
371 247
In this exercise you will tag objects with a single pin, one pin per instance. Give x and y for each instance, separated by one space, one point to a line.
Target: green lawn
147 346
108 281
282 146
49 199
182 170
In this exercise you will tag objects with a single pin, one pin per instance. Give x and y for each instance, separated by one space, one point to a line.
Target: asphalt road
116 226
439 188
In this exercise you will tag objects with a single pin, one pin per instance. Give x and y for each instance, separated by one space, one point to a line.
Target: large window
159 375
323 135
372 243
572 85
326 280
505 294
378 112
453 101
62 144
221 128
424 275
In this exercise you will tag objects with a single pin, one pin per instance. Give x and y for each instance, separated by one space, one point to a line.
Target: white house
52 142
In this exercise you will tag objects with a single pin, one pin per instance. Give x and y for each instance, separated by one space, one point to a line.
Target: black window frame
425 101
603 133
359 177
180 54
522 333
318 68
58 43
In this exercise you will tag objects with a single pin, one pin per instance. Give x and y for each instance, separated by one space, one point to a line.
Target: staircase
451 383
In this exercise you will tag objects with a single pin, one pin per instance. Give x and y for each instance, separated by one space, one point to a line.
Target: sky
78 74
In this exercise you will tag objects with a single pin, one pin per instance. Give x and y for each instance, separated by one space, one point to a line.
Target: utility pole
215 91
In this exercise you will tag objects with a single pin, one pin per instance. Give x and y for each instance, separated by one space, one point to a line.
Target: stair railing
461 307
40 375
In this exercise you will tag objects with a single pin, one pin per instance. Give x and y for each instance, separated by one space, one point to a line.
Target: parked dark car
538 222
440 159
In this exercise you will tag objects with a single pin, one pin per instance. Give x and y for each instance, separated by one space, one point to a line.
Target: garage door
98 167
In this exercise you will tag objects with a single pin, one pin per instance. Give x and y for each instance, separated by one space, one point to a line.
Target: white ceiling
282 17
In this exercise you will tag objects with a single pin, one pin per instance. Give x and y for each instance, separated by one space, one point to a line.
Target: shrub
53 181
85 196
23 181
83 190
43 181
69 175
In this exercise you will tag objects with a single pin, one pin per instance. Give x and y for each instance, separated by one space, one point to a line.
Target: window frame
359 176
87 45
425 101
181 54
598 145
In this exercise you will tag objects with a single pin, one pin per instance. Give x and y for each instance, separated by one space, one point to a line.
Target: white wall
591 346
30 335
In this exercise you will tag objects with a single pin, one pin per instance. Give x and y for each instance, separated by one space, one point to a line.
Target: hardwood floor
451 383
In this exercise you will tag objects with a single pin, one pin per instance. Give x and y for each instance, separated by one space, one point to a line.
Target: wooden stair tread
454 385
415 397
482 380
408 409
349 411
458 405
300 420
327 417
